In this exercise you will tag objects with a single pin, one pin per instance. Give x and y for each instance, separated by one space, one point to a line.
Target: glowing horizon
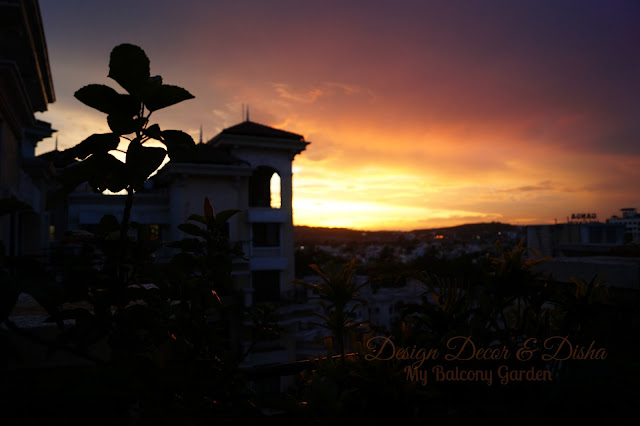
522 114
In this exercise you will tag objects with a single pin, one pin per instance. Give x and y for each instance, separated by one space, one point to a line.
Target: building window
275 185
266 286
265 188
266 234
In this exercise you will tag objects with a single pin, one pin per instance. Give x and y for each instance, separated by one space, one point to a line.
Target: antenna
201 133
56 142
247 119
242 115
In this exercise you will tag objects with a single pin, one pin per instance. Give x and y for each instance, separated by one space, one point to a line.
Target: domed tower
265 197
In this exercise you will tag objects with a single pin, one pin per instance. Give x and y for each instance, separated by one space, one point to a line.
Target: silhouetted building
631 220
585 251
26 87
614 271
246 167
572 239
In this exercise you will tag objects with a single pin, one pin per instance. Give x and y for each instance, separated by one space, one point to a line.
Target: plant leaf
156 97
74 175
107 100
105 172
128 105
224 216
99 142
123 124
98 96
208 209
101 170
192 229
142 161
179 144
197 218
153 132
129 66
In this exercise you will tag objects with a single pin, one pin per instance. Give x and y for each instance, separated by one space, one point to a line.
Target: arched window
264 188
275 191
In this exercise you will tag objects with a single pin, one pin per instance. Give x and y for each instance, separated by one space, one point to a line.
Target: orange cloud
418 115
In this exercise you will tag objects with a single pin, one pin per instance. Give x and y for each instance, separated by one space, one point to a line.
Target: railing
287 368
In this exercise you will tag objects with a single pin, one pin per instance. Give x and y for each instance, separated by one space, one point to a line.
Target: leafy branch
128 117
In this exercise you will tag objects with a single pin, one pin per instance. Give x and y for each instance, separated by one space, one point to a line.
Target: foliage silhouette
161 339
503 304
337 293
128 118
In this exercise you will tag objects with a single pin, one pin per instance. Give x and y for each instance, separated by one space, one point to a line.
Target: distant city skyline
420 114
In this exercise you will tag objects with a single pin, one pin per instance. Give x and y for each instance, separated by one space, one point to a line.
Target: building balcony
267 214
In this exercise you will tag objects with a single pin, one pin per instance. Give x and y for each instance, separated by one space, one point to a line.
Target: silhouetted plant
196 361
108 272
337 293
171 342
509 297
354 390
167 327
128 118
199 277
347 388
265 324
444 308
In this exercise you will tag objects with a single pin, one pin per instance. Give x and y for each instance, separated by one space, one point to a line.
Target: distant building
381 308
615 271
383 305
631 220
246 167
26 87
572 238
586 251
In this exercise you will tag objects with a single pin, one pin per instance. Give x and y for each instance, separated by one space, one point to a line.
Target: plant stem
124 226
121 270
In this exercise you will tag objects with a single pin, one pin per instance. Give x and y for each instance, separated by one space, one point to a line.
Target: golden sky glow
419 113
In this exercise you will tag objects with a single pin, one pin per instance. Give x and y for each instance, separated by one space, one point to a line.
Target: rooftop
208 154
249 128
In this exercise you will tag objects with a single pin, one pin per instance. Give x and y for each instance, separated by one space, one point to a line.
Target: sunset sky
420 113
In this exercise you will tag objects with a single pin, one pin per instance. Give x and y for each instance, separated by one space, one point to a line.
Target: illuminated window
265 188
275 191
52 233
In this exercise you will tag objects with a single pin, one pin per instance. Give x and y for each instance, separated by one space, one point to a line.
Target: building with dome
246 167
